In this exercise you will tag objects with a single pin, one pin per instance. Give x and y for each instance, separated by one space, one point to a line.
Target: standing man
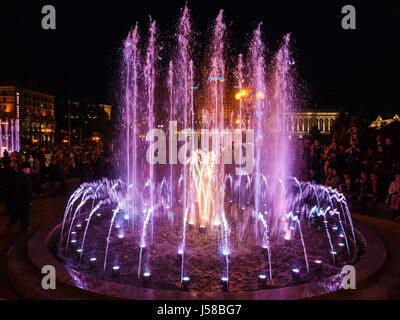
9 179
353 159
23 199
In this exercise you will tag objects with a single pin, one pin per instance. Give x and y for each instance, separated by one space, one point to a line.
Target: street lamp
260 95
241 94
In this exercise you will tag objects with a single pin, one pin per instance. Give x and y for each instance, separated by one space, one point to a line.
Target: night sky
351 69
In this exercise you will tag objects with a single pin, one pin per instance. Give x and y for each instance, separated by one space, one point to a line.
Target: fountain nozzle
225 283
262 281
185 283
146 279
115 271
92 262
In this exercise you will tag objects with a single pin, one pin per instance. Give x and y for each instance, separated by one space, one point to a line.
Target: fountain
204 224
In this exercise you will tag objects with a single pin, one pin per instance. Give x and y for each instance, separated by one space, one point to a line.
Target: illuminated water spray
9 135
202 198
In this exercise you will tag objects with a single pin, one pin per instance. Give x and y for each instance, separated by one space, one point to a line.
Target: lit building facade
32 110
379 122
300 123
106 108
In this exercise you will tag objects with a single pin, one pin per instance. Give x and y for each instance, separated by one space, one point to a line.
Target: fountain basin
39 254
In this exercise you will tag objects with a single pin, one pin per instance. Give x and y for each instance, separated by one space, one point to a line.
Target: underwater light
318 264
295 273
262 281
79 252
92 262
185 283
115 270
146 279
225 283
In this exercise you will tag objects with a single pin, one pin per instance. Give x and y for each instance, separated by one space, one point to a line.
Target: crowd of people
24 174
366 175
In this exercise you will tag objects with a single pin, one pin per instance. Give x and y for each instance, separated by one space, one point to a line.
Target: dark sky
353 69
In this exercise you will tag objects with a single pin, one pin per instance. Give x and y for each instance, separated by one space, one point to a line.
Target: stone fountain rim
39 254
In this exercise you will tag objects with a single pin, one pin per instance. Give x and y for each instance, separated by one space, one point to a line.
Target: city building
77 120
297 123
32 110
105 107
300 123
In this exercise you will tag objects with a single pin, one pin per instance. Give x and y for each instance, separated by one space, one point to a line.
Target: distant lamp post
244 93
241 94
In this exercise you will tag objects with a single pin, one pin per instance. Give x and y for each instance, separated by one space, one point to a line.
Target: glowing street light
241 94
260 95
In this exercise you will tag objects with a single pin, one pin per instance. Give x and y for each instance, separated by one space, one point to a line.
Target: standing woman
393 198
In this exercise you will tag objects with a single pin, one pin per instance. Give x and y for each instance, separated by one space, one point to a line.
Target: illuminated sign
17 107
216 79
